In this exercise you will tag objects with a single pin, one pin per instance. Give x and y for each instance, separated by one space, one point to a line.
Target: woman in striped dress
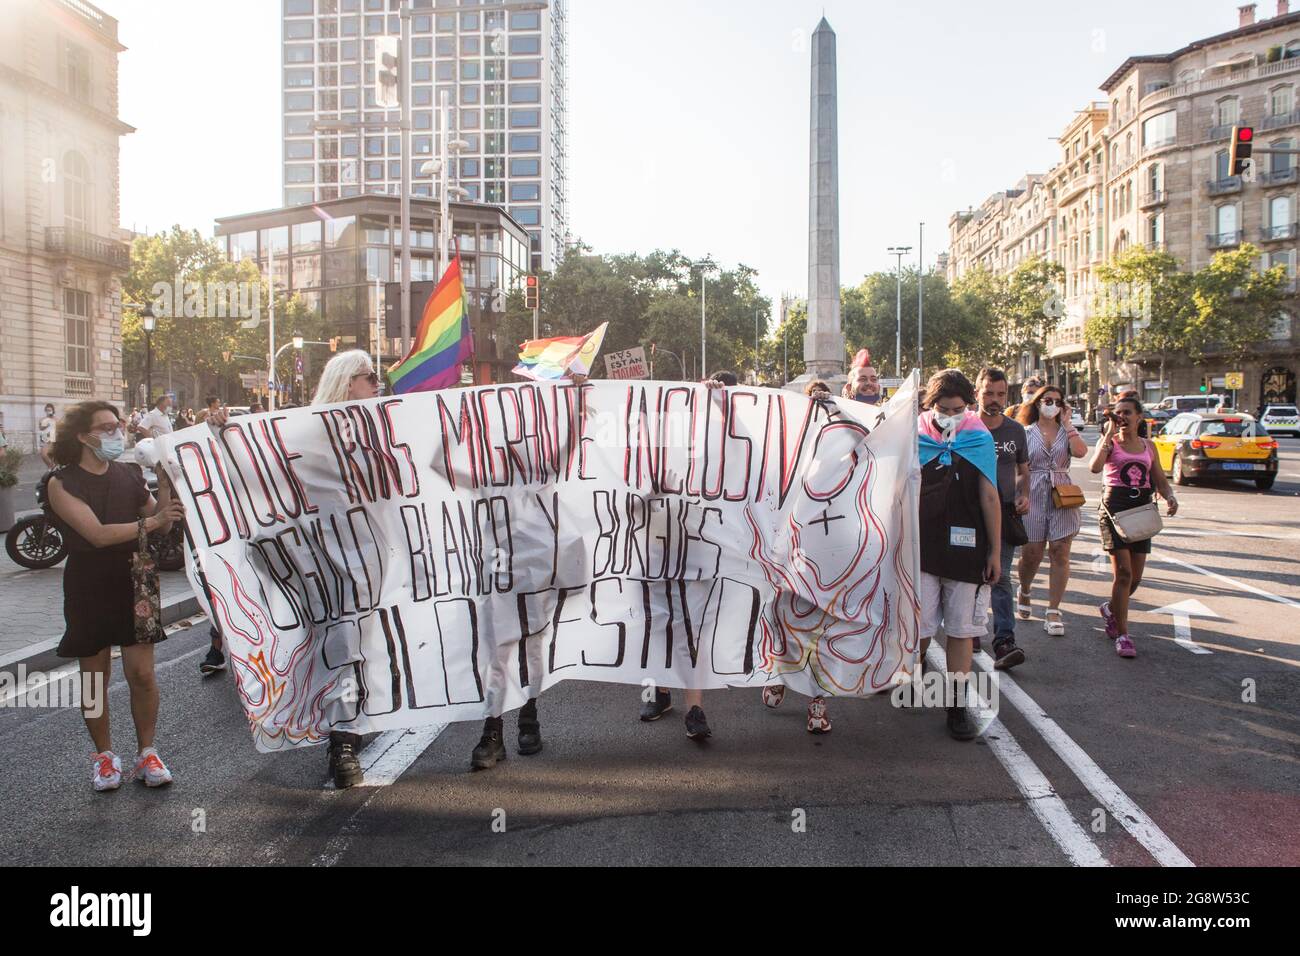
1052 442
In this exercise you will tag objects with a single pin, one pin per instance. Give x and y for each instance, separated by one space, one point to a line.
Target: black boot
960 726
345 768
490 747
530 729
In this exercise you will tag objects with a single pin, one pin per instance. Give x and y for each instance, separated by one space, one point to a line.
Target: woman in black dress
99 504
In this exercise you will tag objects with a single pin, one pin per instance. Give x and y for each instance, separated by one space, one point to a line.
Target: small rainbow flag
442 342
548 360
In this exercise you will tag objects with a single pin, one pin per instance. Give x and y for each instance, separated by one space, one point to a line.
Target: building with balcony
61 251
342 258
503 65
1149 167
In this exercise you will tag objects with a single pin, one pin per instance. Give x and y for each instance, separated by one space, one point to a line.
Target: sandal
1023 607
1056 628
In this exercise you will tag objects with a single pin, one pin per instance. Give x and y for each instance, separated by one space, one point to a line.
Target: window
299 102
1292 50
298 53
1225 220
526 215
446 23
299 149
76 324
445 70
298 173
1221 165
1279 214
446 46
531 93
1280 328
297 7
1280 100
1160 130
525 192
421 47
525 69
470 46
1281 162
525 21
469 119
1226 112
76 192
469 70
469 21
468 168
524 119
525 45
1156 230
525 167
298 29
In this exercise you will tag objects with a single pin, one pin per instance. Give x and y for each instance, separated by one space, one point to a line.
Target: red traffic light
1245 134
532 282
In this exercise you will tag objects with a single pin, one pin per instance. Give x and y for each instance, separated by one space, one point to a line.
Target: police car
1205 445
1284 419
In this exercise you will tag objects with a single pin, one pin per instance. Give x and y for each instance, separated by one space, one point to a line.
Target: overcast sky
689 120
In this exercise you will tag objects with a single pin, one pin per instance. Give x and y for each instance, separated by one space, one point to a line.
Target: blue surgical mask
110 448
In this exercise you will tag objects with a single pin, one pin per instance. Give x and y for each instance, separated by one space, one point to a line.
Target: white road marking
392 752
1040 796
1101 786
1241 585
339 843
1182 613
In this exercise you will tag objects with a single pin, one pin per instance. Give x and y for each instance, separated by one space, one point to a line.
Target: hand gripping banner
445 556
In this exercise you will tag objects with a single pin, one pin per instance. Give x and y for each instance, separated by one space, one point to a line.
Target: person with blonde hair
348 376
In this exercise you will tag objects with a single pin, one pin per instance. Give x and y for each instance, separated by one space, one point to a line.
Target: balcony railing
1286 230
1280 120
1223 240
1219 132
1221 187
1154 197
76 244
1279 177
1155 245
1239 75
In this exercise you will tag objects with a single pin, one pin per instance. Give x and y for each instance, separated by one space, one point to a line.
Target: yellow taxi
1223 445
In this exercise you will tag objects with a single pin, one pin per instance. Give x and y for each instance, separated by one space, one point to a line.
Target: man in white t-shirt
156 422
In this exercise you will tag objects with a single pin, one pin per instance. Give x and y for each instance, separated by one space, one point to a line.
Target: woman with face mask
99 504
1052 442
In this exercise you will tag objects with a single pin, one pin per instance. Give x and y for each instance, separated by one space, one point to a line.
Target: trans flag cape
971 440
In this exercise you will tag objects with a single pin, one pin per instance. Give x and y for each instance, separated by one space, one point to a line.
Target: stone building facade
1149 166
61 250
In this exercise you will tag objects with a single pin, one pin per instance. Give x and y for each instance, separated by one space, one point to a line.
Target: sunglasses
108 428
371 377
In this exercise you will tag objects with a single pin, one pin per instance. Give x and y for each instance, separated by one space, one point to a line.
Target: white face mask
947 423
1049 411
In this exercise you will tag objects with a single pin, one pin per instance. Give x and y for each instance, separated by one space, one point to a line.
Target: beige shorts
958 608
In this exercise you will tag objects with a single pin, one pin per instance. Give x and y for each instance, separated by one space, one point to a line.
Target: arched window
76 192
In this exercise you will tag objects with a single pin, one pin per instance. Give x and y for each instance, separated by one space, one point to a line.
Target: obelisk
823 345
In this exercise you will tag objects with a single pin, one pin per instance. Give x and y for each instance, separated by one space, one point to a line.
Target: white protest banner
446 556
629 363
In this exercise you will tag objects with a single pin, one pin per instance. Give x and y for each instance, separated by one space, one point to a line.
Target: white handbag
1135 524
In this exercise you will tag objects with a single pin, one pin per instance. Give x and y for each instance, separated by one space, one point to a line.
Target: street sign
629 363
254 381
1234 380
891 382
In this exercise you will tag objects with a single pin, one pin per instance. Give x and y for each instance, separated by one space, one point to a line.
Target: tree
1013 313
1234 305
1144 306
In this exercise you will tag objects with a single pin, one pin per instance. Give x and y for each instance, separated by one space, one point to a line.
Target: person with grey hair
348 376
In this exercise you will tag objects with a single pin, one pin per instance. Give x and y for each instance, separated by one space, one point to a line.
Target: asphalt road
1163 760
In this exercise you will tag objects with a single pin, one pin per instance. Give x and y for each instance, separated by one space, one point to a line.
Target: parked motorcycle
35 541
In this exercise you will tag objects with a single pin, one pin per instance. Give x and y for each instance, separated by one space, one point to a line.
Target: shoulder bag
1135 524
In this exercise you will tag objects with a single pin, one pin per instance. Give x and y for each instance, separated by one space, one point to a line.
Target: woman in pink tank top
1132 471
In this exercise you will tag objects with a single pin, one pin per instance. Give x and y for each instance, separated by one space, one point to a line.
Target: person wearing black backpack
960 531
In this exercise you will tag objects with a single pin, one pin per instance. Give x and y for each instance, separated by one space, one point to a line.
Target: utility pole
404 81
899 251
270 365
704 342
756 376
920 301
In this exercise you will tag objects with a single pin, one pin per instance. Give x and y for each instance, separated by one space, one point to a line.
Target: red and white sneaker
1112 622
151 769
773 694
108 771
1124 646
819 721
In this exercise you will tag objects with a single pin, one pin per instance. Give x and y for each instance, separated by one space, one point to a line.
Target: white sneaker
150 768
108 771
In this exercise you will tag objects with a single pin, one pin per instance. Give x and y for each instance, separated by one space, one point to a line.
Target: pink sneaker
773 694
1124 646
1112 625
819 721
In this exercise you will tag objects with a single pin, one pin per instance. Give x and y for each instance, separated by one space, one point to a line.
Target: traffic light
532 294
387 60
1243 138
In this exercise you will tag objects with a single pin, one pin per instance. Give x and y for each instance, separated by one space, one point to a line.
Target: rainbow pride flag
442 342
549 360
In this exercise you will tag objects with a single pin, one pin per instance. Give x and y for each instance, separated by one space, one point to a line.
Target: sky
689 120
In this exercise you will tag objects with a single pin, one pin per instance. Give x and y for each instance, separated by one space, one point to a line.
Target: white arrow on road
1182 613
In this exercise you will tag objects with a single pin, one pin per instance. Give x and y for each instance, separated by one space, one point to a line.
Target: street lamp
899 251
150 323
